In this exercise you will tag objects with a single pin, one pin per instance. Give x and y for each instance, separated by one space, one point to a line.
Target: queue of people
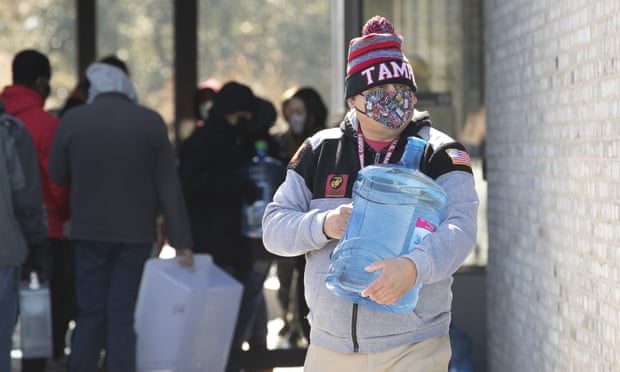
108 203
107 170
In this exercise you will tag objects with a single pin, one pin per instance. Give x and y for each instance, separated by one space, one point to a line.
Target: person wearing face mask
209 164
203 99
311 210
25 99
305 113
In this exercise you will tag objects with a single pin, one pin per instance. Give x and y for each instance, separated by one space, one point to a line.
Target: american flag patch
459 157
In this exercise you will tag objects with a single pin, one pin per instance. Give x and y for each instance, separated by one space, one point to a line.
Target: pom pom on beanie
378 25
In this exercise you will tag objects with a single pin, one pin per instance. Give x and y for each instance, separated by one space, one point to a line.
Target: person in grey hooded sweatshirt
23 221
119 163
311 210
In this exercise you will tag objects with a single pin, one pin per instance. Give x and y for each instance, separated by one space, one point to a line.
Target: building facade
552 97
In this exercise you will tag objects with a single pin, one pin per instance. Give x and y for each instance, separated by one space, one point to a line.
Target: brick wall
552 95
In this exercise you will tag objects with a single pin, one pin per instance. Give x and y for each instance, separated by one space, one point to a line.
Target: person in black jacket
209 166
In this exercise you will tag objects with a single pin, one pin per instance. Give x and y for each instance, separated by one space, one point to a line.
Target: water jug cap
34 281
260 145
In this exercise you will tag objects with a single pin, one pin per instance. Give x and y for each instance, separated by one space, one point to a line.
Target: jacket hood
233 97
105 78
264 116
19 98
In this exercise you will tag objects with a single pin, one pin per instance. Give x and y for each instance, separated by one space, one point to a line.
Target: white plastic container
35 319
185 319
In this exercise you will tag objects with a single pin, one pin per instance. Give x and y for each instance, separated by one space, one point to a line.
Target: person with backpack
23 226
25 99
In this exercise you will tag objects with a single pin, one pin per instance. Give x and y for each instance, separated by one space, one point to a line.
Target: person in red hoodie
25 99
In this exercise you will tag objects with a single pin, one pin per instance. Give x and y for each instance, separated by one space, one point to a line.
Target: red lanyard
360 148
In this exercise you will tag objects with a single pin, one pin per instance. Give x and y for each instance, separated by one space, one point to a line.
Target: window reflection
140 32
47 26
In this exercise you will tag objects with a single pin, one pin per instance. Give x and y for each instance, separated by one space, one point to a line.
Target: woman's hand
336 221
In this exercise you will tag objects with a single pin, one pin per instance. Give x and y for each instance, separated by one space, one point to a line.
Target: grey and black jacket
293 225
22 213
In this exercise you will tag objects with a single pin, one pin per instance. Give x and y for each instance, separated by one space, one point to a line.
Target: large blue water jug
267 173
394 207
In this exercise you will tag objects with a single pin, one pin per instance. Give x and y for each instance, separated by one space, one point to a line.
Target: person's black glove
39 260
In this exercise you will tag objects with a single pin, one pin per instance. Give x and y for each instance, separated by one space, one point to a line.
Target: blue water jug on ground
267 174
394 207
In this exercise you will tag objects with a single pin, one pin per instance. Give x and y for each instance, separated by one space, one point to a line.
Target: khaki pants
426 356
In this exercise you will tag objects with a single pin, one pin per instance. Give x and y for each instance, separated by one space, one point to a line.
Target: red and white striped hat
375 58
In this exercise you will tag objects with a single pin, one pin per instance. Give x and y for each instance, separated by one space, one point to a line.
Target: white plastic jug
184 318
35 319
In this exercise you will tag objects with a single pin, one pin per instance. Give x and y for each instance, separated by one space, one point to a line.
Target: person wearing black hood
209 164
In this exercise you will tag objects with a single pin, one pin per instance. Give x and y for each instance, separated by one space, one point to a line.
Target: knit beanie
375 58
29 65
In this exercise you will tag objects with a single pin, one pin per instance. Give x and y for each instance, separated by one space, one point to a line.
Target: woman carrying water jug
311 210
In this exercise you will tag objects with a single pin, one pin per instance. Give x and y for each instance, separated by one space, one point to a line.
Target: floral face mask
391 108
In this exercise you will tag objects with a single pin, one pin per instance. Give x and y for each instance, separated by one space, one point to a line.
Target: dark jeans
107 282
62 287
